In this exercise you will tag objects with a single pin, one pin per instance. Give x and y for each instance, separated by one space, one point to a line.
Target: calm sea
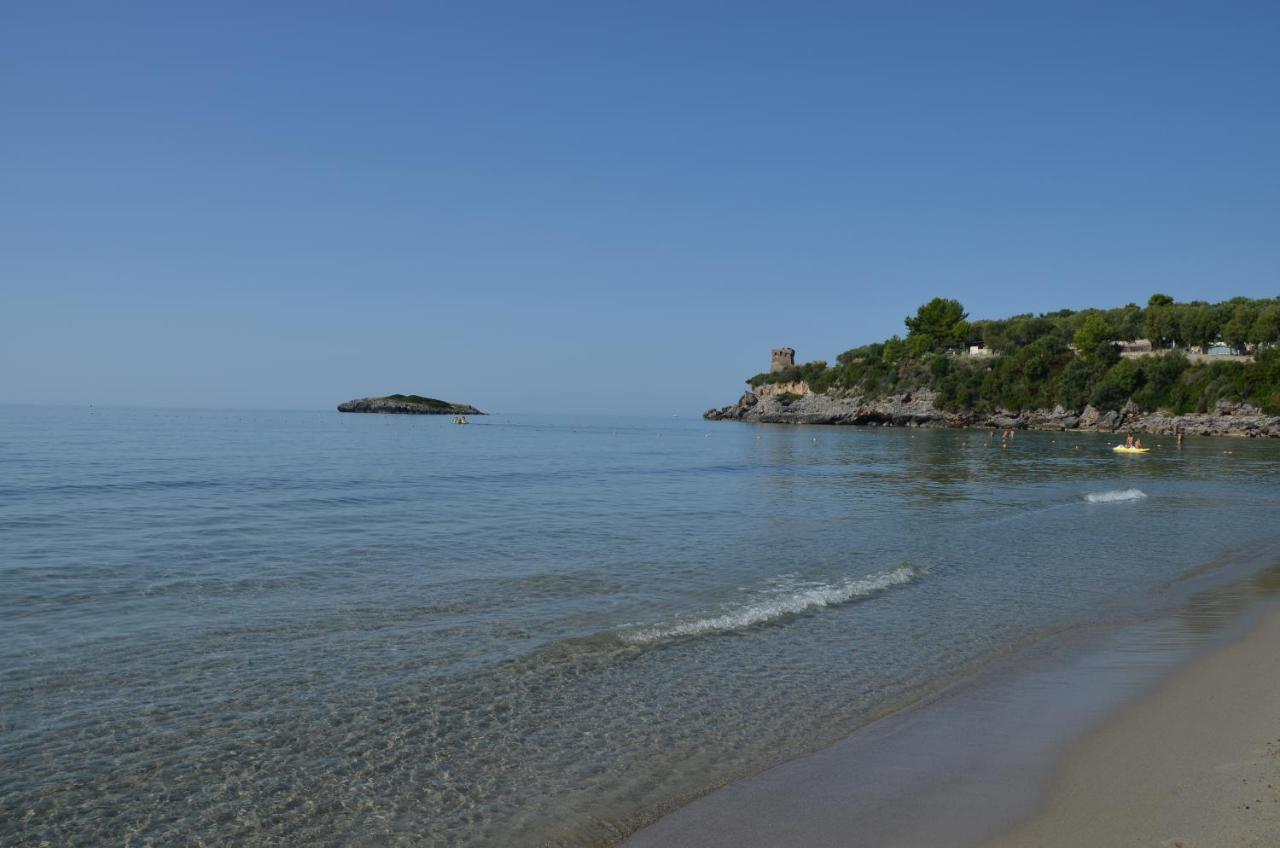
309 628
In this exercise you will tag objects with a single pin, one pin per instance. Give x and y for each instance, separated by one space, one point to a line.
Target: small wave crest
784 601
1115 496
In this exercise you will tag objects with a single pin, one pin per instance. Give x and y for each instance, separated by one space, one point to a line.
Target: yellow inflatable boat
1123 449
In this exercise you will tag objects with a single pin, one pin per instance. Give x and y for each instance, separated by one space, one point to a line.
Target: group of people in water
1005 437
1130 440
460 419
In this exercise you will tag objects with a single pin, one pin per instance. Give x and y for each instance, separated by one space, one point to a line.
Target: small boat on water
460 419
1125 449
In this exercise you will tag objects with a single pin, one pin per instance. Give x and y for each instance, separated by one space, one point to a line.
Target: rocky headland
916 409
407 405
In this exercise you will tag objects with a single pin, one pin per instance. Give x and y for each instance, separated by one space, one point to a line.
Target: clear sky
599 206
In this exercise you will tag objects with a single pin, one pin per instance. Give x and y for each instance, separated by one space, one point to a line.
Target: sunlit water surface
314 628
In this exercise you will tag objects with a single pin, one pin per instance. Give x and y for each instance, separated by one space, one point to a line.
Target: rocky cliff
916 409
407 405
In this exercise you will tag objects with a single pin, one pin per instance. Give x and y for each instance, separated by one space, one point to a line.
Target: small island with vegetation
1204 368
408 405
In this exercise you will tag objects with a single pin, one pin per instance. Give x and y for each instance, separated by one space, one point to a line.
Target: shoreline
1003 758
1195 763
917 409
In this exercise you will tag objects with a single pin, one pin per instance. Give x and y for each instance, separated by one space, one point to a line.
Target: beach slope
1195 764
1133 741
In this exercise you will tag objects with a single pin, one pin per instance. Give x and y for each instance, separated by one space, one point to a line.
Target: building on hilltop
1135 346
783 358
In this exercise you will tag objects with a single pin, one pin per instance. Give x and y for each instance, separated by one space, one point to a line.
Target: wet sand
1165 732
1195 764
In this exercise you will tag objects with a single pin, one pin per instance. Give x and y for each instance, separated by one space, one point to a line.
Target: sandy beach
1196 764
1166 733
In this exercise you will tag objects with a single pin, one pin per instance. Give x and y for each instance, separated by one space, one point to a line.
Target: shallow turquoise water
315 628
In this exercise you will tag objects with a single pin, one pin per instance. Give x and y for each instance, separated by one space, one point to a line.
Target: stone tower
783 358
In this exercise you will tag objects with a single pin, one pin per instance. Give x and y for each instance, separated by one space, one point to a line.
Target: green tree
1159 300
1237 331
1161 374
1266 329
937 325
1222 313
1127 321
1094 339
995 335
1160 325
1196 325
1119 384
1075 383
1025 329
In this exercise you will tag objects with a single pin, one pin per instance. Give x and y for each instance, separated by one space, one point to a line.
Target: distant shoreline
917 409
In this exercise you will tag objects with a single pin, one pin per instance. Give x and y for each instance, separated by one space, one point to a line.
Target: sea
225 627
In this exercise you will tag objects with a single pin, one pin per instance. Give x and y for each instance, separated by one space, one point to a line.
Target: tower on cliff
783 358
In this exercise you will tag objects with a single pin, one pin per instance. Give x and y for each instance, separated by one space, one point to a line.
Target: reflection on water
1267 582
1213 609
326 629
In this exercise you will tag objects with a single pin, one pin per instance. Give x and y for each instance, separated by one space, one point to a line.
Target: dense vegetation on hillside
1068 358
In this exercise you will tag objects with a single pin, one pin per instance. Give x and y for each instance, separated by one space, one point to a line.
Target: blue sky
599 207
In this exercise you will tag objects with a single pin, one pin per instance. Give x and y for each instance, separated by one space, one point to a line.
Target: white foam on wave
773 604
1115 496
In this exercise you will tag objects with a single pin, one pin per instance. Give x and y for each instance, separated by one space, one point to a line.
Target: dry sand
1196 764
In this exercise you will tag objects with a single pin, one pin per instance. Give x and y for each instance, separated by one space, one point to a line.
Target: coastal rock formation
407 405
916 409
912 409
796 387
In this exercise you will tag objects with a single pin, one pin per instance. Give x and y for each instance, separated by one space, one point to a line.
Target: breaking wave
774 604
1115 496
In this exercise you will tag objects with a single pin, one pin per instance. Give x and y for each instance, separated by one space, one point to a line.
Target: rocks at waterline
916 409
